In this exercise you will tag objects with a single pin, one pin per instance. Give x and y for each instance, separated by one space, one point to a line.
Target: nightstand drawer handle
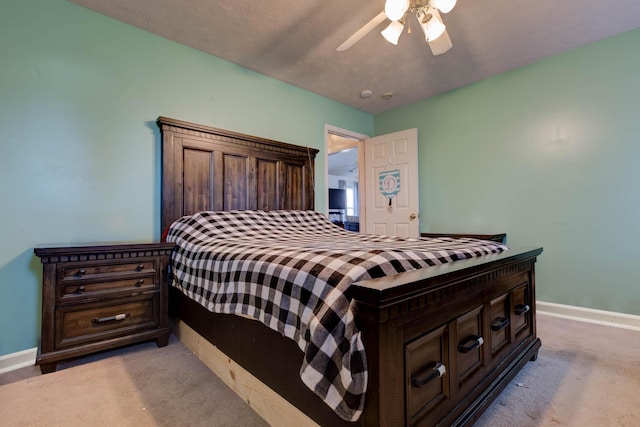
437 371
80 290
139 283
140 267
120 316
81 272
522 309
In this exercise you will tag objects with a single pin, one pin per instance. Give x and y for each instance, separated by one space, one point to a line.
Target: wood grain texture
205 168
98 297
272 407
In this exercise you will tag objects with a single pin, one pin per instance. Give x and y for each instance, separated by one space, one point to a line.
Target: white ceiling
295 40
342 159
343 164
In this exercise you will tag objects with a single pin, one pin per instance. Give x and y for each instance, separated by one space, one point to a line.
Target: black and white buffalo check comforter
290 270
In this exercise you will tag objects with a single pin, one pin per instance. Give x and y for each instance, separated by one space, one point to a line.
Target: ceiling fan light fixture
395 9
431 24
444 6
427 13
392 32
441 45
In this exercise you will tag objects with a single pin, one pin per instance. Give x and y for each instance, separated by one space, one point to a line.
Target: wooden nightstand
100 297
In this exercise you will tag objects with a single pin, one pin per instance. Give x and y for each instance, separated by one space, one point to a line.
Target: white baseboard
589 315
20 359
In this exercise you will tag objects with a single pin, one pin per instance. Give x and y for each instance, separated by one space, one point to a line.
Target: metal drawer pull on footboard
499 323
522 308
120 316
438 371
470 343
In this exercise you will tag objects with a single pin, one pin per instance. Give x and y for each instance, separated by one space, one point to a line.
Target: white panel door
391 203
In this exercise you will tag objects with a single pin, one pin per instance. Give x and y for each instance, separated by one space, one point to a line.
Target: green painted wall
79 147
550 154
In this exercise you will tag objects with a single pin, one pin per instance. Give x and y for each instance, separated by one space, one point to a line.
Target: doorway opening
344 179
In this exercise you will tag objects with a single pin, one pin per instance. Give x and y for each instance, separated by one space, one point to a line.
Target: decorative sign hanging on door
390 183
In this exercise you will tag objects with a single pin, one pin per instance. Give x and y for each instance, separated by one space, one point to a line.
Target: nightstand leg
162 341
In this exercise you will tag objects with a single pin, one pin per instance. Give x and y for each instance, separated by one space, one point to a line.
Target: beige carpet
140 385
585 375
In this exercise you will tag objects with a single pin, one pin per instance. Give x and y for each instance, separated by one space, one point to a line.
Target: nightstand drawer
86 271
76 326
85 290
97 297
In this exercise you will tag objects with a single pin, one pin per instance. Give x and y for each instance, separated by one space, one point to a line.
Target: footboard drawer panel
427 382
521 309
469 346
499 324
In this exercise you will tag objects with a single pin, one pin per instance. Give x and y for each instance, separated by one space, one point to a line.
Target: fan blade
441 45
362 32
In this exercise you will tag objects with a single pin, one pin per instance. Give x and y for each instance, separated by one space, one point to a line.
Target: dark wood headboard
205 168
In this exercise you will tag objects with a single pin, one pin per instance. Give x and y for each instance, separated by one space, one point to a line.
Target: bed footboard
441 343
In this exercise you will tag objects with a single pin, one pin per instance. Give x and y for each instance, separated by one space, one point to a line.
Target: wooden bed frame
476 317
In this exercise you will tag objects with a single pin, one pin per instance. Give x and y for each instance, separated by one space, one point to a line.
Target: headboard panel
205 168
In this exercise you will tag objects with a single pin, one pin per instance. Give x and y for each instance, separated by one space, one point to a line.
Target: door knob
413 216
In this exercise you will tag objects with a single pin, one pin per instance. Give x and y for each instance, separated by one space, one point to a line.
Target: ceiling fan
399 13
